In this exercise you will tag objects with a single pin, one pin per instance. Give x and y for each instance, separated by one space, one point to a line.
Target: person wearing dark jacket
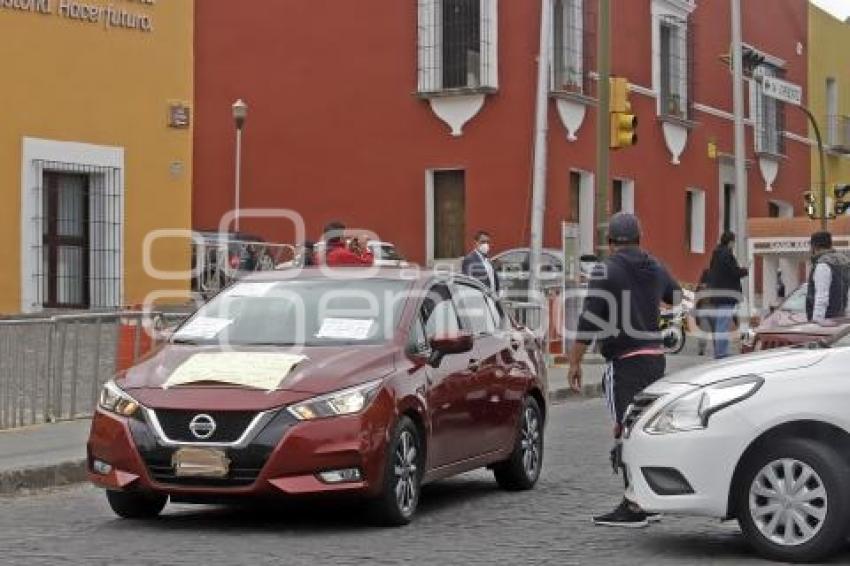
622 312
829 280
477 263
724 280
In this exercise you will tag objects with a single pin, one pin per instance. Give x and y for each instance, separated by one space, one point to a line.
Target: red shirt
338 255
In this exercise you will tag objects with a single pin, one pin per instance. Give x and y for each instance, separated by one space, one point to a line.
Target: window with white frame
458 45
767 113
695 220
568 37
674 60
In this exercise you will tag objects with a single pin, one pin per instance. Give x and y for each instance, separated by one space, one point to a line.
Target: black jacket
474 267
634 283
724 274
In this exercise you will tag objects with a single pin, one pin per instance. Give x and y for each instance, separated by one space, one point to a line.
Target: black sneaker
623 516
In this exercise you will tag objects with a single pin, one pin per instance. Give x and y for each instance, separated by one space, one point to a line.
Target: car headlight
692 410
115 400
345 402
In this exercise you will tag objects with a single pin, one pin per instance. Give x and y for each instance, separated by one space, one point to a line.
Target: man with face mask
477 263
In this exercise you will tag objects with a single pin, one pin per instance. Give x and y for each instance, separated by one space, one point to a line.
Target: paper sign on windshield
257 370
204 327
345 329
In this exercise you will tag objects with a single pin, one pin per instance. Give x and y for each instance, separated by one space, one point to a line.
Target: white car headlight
345 402
116 400
692 410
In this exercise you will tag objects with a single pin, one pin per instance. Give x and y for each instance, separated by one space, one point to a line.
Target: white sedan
763 438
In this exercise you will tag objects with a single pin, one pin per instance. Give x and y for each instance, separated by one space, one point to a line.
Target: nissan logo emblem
202 427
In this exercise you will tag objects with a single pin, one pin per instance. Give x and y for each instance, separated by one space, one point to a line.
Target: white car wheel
788 502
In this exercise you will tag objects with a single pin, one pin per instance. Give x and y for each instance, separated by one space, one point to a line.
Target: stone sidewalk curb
42 477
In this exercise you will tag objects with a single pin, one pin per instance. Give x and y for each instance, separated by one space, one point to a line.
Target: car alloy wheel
530 442
406 473
788 502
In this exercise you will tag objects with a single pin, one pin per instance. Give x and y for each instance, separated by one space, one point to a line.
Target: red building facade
415 118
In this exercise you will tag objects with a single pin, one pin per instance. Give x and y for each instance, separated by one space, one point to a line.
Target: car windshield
386 251
299 313
796 302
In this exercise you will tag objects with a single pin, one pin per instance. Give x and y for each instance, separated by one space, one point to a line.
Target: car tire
522 470
136 504
762 488
402 476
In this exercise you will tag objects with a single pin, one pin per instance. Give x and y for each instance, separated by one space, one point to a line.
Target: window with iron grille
674 63
570 47
457 45
768 113
78 232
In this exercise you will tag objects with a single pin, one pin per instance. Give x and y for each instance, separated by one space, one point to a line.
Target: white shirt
489 268
822 278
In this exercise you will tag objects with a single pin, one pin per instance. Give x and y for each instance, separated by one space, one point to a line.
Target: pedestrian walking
339 253
622 312
829 280
477 263
724 280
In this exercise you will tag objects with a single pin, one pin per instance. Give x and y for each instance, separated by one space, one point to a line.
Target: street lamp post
240 114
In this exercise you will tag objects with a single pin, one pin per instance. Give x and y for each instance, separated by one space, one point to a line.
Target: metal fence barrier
52 368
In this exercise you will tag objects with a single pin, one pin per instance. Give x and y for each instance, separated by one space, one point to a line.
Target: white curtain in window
430 45
490 43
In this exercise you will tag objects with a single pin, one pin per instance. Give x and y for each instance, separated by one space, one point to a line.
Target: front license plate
200 463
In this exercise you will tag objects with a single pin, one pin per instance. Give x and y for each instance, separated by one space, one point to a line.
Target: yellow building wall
829 48
67 79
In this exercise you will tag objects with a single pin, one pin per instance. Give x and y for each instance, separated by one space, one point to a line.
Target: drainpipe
541 129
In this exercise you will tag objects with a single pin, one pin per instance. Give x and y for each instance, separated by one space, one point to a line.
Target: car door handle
474 365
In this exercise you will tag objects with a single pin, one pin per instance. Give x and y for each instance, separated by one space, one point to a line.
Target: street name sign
783 90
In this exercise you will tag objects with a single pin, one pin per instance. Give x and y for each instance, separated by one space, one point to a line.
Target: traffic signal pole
541 131
741 196
603 126
824 221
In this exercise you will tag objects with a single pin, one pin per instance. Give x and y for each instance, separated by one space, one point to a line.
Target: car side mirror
447 344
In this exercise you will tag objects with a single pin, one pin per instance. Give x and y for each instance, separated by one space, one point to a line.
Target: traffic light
811 203
841 198
623 122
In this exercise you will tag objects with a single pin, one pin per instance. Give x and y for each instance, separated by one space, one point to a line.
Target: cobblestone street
466 520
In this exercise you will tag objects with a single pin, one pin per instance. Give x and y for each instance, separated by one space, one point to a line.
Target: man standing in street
477 263
829 280
622 311
724 281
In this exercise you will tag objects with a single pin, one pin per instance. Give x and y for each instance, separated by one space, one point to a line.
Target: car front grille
641 403
229 425
237 477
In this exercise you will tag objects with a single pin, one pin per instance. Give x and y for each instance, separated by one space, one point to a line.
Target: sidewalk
43 456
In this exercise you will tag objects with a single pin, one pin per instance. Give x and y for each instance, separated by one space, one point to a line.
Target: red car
363 382
787 325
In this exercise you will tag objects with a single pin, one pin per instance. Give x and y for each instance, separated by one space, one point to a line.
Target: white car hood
762 364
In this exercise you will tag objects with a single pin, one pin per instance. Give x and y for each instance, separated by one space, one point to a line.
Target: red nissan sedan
347 381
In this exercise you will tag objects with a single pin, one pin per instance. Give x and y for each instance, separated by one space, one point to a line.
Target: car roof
413 275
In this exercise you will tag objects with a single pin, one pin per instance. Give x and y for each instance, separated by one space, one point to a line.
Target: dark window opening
66 240
449 213
461 43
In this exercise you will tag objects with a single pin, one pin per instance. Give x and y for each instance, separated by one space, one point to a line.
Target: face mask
484 249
